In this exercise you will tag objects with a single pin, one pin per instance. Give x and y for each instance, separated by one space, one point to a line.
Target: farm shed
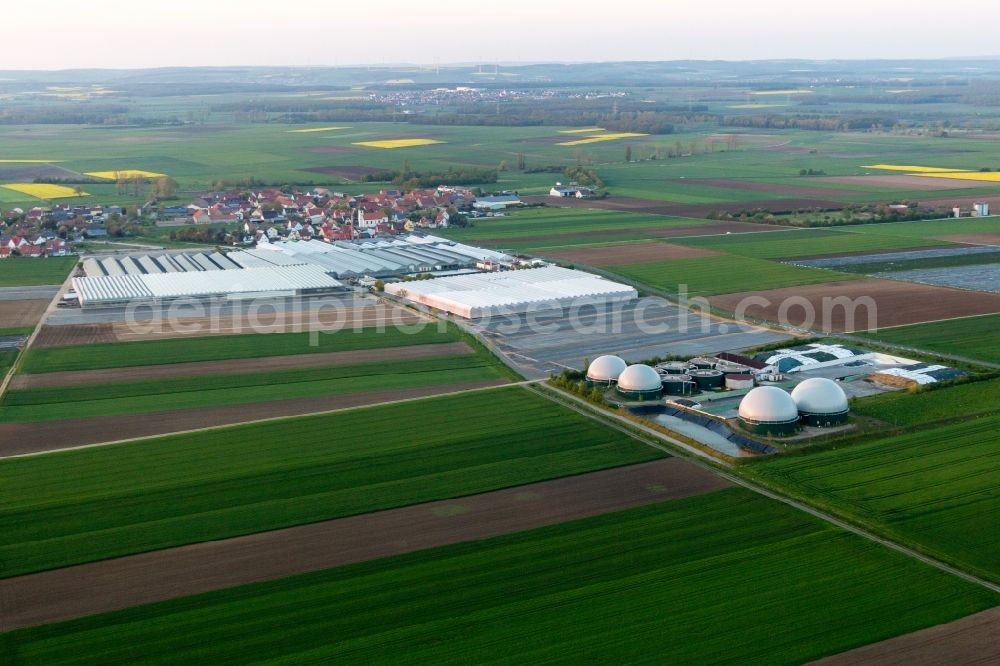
513 292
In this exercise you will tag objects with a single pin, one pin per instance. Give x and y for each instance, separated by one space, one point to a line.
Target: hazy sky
56 34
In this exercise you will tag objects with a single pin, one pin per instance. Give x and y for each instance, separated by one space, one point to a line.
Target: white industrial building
240 283
513 292
377 257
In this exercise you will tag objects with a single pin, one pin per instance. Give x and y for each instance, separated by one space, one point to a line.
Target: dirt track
631 253
896 303
24 438
62 594
21 314
971 640
237 366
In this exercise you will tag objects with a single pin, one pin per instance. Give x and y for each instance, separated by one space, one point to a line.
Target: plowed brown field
895 303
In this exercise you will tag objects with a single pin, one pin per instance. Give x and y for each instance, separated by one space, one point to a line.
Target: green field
243 389
974 337
930 229
562 226
222 347
7 359
30 271
904 409
803 243
96 503
727 577
934 488
708 276
28 330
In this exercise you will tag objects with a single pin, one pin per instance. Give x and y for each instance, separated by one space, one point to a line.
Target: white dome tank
639 378
768 404
606 369
819 395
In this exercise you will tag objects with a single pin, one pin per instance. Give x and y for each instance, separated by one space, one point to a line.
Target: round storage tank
708 380
702 363
768 410
736 382
639 382
678 385
821 402
605 370
674 367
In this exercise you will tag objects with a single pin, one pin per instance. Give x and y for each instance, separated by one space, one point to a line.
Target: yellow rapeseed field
316 129
987 176
912 169
124 173
585 130
397 143
602 137
44 190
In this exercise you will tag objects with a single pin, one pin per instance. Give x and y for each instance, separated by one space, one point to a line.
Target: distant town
260 216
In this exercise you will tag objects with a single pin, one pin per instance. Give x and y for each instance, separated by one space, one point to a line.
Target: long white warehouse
513 292
265 282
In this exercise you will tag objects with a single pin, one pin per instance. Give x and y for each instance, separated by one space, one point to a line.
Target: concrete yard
540 344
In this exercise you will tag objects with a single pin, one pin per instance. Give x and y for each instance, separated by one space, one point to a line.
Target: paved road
28 293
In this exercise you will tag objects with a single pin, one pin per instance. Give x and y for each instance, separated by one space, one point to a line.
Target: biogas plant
742 404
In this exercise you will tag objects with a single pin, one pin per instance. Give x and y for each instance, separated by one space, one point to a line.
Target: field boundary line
267 420
700 458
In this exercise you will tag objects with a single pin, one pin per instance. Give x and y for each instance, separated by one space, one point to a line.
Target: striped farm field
582 130
220 347
124 173
804 243
96 503
397 143
934 488
709 579
245 388
709 276
44 190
